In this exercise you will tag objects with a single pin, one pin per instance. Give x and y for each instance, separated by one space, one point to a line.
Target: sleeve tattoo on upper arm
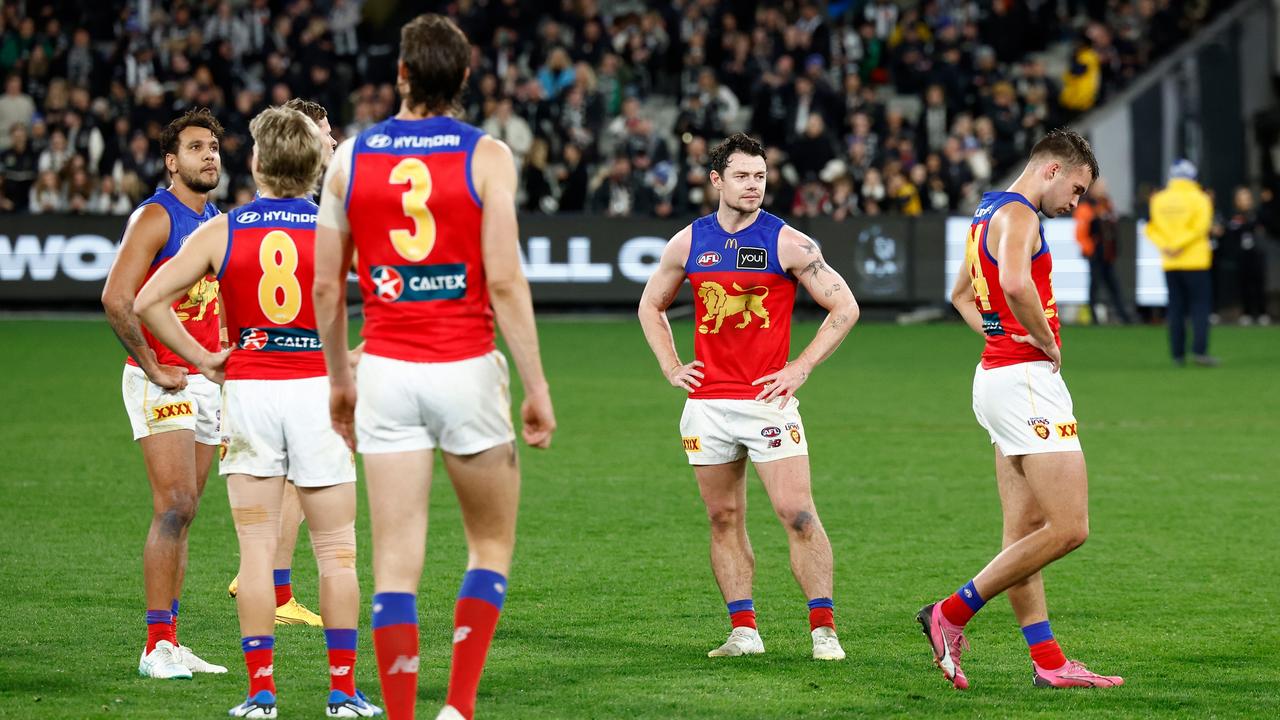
814 268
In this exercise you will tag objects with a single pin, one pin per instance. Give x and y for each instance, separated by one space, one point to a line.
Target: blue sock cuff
485 585
282 577
738 606
821 603
394 608
257 642
969 594
340 638
159 617
174 608
1037 633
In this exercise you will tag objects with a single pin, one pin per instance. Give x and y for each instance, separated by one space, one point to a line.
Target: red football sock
259 661
157 632
474 621
342 671
743 618
956 611
1048 655
284 593
821 617
396 649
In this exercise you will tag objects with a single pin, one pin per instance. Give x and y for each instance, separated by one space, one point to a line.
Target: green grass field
612 605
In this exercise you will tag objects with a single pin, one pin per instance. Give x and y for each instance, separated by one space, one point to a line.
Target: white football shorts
153 410
1025 408
273 428
461 407
722 431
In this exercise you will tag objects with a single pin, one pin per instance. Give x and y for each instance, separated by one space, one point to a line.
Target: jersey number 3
279 292
414 246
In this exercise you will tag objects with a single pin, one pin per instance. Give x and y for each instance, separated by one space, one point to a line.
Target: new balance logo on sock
264 671
461 634
968 593
404 664
340 670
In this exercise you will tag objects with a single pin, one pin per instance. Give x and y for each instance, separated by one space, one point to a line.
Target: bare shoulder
1015 216
491 149
147 227
792 239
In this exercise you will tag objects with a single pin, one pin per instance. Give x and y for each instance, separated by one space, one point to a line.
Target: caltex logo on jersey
248 217
378 141
709 258
387 283
253 339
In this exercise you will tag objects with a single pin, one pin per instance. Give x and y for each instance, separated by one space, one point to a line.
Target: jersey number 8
279 292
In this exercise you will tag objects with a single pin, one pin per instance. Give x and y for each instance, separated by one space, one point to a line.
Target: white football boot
742 641
449 712
826 646
193 662
162 663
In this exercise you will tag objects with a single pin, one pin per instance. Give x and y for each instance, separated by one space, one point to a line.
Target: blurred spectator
1083 79
20 167
573 180
109 199
620 193
1180 218
47 195
16 108
1098 234
510 128
1243 242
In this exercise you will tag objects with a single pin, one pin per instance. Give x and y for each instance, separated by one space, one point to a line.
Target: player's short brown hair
1068 146
195 117
735 143
290 151
437 54
310 108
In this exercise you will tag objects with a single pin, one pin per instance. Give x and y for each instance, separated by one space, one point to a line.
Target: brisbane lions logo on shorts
253 339
387 283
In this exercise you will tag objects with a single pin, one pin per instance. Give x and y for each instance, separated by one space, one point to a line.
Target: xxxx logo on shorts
172 410
1066 430
692 444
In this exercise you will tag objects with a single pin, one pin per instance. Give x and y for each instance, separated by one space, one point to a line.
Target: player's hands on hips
169 377
539 419
782 384
342 410
686 377
1052 350
214 365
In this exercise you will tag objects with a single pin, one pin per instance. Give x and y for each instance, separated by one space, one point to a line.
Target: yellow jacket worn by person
1181 215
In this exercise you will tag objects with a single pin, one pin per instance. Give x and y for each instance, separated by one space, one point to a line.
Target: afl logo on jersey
253 339
707 259
378 141
388 284
248 217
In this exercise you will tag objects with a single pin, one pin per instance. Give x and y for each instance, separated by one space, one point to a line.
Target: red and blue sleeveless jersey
743 300
198 310
266 277
998 321
415 221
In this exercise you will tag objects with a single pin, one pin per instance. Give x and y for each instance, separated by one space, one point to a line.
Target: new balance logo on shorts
404 664
172 410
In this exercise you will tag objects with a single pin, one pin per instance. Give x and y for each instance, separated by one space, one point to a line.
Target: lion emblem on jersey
721 304
201 295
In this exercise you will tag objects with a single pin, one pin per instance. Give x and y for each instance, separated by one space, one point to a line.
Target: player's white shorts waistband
273 428
1025 408
722 431
461 407
153 410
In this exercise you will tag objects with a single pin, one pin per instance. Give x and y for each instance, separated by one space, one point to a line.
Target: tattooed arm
801 257
659 293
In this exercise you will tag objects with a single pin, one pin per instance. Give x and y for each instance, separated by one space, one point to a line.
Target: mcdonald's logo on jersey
731 244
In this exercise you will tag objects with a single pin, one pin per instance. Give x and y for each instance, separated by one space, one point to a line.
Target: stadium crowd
867 106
